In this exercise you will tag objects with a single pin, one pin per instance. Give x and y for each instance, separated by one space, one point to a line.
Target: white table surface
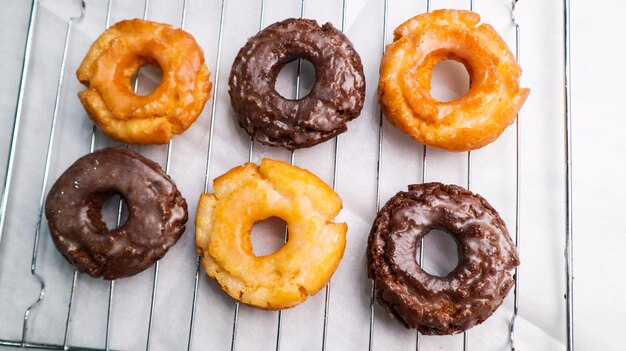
598 72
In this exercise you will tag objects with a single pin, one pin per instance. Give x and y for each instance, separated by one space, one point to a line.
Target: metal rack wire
23 342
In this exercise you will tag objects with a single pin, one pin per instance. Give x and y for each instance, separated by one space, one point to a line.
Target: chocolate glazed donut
472 291
336 97
157 213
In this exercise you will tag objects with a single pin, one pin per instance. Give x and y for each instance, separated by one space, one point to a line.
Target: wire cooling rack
67 335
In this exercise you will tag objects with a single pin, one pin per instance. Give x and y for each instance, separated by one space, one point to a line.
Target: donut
466 296
471 121
157 213
117 55
336 97
248 194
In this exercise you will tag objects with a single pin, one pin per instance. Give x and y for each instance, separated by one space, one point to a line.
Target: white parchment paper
540 326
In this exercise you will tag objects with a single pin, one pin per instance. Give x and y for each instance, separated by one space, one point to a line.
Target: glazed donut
336 97
157 213
471 121
248 194
117 55
466 296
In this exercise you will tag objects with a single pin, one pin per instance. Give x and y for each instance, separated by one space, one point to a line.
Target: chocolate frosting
472 291
336 97
157 213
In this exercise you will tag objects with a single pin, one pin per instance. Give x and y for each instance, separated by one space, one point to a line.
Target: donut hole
450 81
110 211
287 79
442 253
268 236
146 79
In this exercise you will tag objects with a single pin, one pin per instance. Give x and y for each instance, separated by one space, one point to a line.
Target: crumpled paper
540 324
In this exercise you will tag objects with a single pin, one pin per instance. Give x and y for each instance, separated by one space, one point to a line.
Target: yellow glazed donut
248 194
475 119
116 56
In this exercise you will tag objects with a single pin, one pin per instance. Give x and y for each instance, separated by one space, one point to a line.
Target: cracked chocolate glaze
336 97
157 213
472 291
